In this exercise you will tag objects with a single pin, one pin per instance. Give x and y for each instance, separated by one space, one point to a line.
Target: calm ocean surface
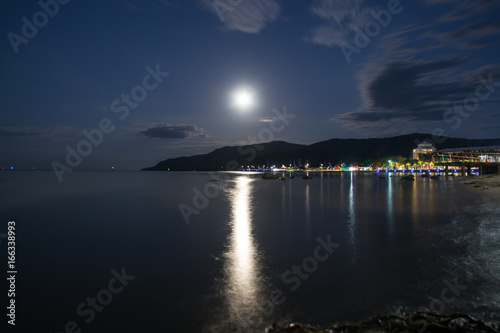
255 251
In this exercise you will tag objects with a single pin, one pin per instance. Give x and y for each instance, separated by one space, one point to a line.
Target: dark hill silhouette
330 151
219 158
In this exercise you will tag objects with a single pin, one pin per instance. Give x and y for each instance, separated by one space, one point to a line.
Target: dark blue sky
343 68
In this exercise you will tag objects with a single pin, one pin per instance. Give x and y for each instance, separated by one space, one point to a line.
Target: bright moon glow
243 99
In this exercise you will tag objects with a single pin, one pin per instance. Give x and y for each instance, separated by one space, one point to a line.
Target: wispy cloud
464 9
469 36
250 16
413 91
139 5
8 132
52 133
488 126
339 17
494 115
168 131
423 71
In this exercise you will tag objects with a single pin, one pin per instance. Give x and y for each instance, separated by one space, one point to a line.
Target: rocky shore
413 323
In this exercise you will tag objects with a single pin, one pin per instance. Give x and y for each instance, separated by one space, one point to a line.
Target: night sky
154 79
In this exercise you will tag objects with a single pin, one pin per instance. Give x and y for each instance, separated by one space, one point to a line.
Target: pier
485 162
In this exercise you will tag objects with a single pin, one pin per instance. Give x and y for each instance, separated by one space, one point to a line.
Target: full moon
243 99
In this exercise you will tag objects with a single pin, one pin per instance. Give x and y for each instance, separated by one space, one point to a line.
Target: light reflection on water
390 208
308 205
352 217
242 290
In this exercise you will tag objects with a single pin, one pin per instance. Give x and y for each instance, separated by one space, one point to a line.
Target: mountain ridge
333 151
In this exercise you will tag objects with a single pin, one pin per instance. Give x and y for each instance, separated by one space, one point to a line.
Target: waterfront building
423 148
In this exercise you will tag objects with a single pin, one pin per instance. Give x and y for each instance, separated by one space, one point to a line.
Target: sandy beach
484 182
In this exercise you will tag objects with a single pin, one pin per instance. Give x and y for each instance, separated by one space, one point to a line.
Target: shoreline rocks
414 322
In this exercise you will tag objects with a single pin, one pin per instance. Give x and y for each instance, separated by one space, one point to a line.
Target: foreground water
112 251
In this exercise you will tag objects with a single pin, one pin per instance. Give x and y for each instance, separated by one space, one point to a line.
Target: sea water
221 252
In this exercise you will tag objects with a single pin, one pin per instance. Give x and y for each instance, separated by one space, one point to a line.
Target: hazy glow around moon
243 99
